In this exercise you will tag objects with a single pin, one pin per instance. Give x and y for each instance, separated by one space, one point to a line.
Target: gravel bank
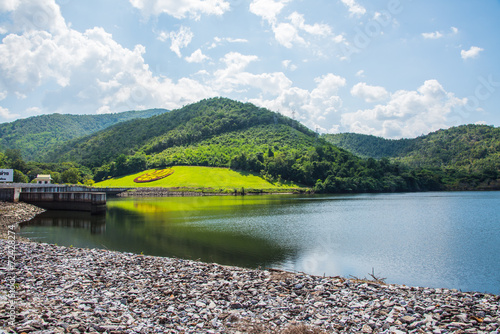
12 213
70 290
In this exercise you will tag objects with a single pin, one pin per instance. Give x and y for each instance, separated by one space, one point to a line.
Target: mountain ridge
35 135
219 132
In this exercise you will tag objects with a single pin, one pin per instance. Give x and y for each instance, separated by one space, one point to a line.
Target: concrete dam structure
59 197
73 201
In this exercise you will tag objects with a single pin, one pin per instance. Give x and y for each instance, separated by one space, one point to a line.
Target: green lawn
200 177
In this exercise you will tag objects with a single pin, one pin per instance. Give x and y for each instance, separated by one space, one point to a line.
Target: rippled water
438 239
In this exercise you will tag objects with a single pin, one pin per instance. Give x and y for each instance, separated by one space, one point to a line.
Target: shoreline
102 291
187 192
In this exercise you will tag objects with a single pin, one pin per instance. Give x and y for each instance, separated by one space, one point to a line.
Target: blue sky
391 68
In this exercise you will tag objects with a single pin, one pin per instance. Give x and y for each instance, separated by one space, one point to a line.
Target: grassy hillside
219 179
34 136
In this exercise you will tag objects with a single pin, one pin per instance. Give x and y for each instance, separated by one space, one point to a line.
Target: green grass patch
187 178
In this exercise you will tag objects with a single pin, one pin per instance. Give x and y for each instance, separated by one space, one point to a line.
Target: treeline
368 146
34 136
281 153
26 172
219 132
463 157
182 127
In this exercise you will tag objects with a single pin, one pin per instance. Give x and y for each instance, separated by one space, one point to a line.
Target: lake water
439 239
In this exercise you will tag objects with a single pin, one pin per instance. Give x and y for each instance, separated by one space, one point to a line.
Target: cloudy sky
392 68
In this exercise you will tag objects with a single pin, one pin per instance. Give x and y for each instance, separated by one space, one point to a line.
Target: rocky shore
70 290
15 213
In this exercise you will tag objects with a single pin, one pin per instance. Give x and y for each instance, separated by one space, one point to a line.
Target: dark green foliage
463 157
219 132
34 136
182 127
367 146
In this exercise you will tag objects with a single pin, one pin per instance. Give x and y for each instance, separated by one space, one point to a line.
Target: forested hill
368 146
461 156
474 148
465 145
33 136
178 128
219 132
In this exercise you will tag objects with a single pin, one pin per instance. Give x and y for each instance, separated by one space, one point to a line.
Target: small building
43 179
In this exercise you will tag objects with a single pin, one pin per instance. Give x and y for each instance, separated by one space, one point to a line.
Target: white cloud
34 111
268 9
234 77
473 52
9 5
354 8
315 29
369 93
407 114
179 39
236 40
316 108
221 40
360 73
432 35
163 36
287 35
197 57
88 72
339 39
288 65
7 115
454 30
181 8
33 15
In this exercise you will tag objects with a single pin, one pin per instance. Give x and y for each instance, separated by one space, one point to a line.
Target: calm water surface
449 240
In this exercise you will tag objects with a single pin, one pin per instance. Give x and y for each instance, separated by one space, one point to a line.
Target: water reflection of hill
167 228
166 234
96 224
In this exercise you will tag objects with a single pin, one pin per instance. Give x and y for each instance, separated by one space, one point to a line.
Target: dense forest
368 146
33 136
220 132
463 157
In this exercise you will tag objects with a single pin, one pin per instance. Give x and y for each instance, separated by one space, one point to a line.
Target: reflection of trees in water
173 234
169 234
72 219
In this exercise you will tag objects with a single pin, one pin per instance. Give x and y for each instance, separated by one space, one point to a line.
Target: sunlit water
449 240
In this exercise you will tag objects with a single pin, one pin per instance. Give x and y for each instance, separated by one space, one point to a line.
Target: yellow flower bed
154 176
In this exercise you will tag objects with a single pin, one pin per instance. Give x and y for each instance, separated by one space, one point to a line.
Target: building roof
43 177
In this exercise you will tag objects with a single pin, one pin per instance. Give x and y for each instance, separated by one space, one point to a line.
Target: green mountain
219 132
470 147
34 136
367 146
463 156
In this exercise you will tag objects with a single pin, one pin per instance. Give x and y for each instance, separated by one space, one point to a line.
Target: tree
70 175
14 159
19 177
